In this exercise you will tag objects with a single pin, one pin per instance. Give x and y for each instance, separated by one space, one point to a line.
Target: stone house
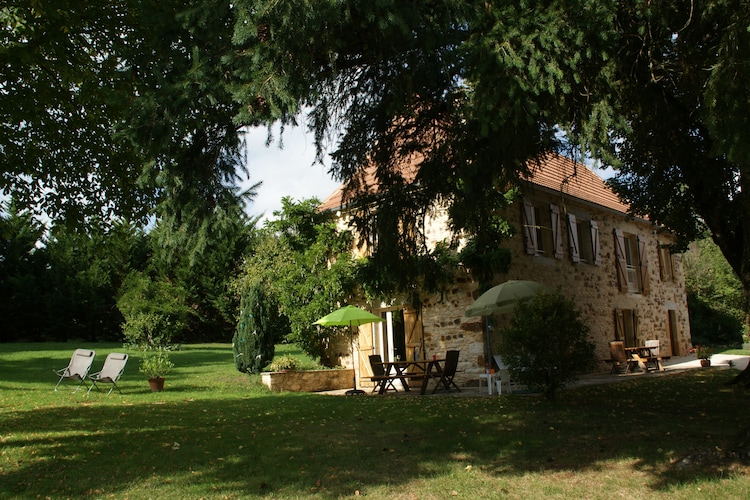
575 235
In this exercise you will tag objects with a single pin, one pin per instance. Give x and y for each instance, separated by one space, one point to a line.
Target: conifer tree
253 342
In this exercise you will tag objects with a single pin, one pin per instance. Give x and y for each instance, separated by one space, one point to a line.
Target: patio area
722 361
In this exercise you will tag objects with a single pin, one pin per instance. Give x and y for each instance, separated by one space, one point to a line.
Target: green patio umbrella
503 297
349 316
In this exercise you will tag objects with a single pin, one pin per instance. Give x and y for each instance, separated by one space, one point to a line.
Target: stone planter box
308 380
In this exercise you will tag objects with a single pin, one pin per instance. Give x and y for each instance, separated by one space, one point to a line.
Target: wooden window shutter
643 265
575 254
662 264
529 227
666 263
620 262
557 243
595 243
636 333
414 333
619 324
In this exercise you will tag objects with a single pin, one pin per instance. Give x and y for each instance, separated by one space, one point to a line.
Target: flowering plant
703 352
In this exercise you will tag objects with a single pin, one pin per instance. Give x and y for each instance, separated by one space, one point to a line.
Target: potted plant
156 364
704 354
283 363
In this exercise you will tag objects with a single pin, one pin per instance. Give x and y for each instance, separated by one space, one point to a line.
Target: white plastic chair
653 346
502 376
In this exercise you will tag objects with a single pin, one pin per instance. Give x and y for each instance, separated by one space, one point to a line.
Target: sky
284 172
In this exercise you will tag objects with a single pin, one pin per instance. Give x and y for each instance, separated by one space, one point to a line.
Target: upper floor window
631 262
542 229
583 236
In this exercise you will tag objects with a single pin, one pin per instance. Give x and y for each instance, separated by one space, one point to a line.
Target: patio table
400 370
432 370
644 356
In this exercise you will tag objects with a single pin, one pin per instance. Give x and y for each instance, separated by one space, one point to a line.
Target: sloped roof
563 175
553 172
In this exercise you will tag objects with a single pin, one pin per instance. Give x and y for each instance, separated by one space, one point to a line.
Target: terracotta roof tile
561 174
554 172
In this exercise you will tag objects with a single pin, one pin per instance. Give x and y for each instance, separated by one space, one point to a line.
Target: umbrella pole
354 391
487 346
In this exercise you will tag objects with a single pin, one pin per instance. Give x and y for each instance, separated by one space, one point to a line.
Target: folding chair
382 381
111 372
77 369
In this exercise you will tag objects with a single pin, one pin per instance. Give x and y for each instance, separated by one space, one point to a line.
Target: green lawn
217 433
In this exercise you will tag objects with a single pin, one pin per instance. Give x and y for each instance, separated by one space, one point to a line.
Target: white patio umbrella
503 297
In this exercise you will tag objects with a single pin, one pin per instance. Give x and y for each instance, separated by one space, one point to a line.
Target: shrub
285 362
547 344
154 311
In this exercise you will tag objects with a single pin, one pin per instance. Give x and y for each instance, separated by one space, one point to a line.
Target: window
584 240
626 326
631 262
542 229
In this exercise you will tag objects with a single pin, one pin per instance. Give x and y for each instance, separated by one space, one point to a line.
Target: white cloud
284 172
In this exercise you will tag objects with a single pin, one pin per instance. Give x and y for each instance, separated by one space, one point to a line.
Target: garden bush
547 344
154 310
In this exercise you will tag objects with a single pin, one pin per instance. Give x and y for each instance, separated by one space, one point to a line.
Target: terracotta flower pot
157 384
705 362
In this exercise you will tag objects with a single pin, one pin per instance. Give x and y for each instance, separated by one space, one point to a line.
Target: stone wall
308 380
594 289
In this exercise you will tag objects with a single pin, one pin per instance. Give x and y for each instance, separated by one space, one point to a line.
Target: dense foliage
107 107
305 266
547 344
64 284
467 94
683 157
715 297
154 309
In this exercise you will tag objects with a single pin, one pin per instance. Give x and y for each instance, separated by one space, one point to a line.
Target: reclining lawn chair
110 373
78 368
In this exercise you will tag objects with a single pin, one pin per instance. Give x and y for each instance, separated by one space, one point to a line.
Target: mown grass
217 433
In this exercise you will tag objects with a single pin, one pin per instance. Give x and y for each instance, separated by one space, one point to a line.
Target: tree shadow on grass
295 445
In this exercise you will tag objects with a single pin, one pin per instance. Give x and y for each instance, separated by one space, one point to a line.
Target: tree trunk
741 378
